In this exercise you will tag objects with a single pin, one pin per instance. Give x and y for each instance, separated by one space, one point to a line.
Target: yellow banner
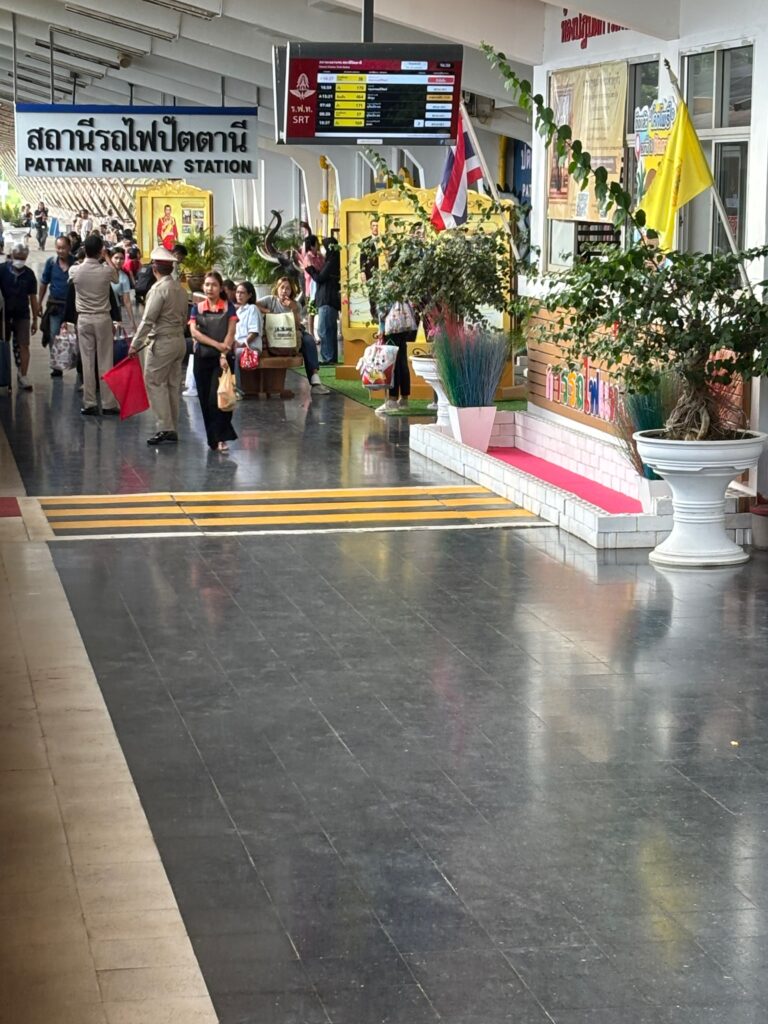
592 101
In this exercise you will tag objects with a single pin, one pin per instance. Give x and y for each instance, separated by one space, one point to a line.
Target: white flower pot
698 473
427 369
650 491
473 426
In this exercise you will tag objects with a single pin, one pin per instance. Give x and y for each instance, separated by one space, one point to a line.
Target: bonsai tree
644 313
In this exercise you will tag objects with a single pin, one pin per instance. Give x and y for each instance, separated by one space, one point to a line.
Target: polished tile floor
467 776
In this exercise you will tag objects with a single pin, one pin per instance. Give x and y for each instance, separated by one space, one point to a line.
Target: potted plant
646 316
470 361
204 251
463 275
645 313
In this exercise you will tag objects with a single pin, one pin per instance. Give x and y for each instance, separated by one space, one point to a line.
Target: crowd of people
96 285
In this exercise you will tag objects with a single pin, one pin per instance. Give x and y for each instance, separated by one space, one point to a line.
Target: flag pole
719 206
487 176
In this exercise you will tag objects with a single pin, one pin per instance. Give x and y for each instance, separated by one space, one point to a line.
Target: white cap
161 255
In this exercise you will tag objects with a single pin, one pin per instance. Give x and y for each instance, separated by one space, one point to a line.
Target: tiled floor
472 777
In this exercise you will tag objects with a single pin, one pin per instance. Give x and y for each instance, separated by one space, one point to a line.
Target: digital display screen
369 93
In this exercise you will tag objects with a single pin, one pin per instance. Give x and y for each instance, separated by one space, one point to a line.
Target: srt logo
302 89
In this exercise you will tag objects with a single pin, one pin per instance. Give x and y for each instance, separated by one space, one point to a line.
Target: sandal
222 446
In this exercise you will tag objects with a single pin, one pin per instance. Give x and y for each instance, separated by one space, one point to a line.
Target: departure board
369 93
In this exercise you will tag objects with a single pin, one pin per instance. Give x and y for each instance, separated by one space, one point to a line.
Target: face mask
18 264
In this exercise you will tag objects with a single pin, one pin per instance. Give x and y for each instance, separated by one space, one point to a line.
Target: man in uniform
93 280
166 311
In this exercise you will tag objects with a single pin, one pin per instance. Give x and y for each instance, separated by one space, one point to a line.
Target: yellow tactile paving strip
191 513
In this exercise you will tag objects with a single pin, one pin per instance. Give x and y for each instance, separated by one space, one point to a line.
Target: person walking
41 225
399 327
327 299
283 300
93 280
162 324
54 282
18 286
212 326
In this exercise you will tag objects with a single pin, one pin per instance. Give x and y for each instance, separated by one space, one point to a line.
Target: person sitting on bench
283 300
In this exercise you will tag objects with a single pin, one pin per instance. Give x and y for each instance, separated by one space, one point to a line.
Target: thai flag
462 168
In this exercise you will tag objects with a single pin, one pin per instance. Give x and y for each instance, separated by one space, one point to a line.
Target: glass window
701 88
562 242
643 89
731 179
736 103
696 216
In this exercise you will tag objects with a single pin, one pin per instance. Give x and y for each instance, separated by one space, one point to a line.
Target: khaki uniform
93 281
166 311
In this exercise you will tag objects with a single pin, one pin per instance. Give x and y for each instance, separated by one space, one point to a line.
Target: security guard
165 316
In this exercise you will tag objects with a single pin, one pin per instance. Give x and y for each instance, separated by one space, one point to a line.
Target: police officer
166 312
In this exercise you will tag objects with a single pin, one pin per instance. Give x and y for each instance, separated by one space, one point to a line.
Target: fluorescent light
74 68
183 8
67 80
75 33
146 30
87 57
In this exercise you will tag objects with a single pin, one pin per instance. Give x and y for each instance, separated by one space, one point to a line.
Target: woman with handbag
399 327
248 342
212 326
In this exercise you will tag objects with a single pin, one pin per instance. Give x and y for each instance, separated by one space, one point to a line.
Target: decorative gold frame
169 192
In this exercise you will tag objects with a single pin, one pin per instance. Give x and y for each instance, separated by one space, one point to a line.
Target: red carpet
9 507
596 494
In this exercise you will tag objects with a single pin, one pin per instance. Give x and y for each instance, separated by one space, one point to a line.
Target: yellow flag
682 174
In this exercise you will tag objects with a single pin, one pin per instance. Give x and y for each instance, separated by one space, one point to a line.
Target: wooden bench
269 378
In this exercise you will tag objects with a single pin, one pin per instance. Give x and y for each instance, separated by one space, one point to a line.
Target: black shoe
89 410
56 373
110 412
164 437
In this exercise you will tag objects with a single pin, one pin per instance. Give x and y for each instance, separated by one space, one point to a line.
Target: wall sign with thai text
86 141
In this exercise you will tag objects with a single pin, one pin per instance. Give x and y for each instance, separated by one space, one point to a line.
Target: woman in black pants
212 326
399 327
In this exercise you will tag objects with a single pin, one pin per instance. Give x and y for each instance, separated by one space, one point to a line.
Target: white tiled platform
572 514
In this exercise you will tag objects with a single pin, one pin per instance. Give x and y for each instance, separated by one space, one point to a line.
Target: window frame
714 136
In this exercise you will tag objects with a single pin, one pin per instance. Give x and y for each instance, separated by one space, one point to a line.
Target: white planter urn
473 425
427 369
698 473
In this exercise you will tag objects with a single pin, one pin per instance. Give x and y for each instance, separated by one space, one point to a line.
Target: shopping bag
280 331
377 365
249 359
400 319
64 350
226 396
126 382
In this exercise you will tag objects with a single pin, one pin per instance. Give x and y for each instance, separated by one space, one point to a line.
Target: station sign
90 141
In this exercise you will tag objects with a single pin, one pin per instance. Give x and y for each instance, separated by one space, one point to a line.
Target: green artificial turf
372 399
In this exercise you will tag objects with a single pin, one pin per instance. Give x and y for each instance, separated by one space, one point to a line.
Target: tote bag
377 366
280 330
226 397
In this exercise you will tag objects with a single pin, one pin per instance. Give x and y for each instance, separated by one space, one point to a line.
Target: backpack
144 281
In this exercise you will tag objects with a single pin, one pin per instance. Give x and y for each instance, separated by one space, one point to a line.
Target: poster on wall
592 101
653 126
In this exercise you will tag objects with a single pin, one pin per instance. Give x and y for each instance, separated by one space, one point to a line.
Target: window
719 97
643 92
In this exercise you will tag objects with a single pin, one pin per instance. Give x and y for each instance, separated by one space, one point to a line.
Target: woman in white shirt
248 327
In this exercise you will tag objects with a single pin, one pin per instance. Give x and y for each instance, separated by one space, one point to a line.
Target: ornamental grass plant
470 361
